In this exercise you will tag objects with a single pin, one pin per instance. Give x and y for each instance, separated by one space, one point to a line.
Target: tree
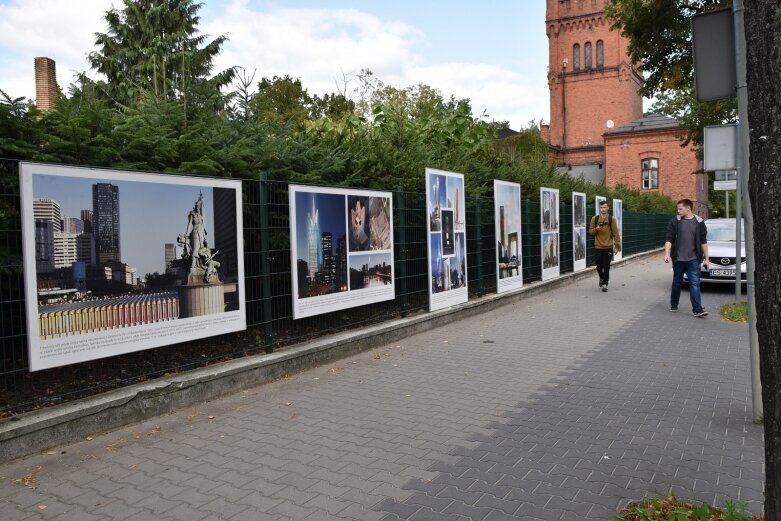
153 45
763 68
659 34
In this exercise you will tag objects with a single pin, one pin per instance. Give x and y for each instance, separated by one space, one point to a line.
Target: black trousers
603 258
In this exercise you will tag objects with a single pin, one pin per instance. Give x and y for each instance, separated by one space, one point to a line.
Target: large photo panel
618 215
578 231
117 262
341 249
507 205
549 226
446 232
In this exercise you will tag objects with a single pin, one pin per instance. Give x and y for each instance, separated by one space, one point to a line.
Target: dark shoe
601 283
701 314
673 308
604 288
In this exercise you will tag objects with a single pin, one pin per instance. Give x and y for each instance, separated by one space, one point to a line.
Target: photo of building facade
549 228
578 231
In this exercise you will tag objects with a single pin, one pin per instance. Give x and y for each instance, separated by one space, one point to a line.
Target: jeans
603 258
692 270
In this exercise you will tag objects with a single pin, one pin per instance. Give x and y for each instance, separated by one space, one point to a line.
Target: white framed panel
446 239
116 283
618 215
550 240
579 225
341 244
507 210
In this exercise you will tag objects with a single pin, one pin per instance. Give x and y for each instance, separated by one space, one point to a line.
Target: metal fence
268 290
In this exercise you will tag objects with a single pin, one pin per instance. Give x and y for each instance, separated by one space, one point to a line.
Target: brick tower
593 85
45 83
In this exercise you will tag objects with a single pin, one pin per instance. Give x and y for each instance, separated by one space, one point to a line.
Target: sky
493 52
150 214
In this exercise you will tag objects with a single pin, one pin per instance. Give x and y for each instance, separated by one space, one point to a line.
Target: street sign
725 175
713 47
719 152
725 185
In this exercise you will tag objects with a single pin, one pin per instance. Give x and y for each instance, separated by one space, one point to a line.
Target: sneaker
701 314
673 308
604 288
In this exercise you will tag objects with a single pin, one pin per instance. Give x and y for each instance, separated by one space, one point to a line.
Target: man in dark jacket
687 245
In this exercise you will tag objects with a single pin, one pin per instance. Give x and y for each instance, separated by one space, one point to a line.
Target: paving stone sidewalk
564 406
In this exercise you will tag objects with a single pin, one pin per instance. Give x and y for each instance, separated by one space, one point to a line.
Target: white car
721 252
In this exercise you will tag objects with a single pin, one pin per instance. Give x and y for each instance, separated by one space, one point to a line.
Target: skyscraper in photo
49 210
313 240
328 268
226 235
105 222
44 246
86 216
170 254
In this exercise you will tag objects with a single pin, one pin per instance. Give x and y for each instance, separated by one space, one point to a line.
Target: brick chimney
45 83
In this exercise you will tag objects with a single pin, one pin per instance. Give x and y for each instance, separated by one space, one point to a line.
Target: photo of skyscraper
321 225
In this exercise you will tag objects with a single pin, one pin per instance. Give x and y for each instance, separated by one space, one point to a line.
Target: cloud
63 30
323 47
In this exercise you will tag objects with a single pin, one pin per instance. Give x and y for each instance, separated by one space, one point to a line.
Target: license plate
722 273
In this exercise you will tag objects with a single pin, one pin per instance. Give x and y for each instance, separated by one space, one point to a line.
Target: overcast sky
493 52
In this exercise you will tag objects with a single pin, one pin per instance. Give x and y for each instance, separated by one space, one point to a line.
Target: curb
40 430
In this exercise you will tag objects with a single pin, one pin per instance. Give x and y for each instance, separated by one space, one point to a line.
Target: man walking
687 245
606 242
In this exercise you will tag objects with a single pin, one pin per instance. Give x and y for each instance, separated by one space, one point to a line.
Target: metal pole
748 218
739 172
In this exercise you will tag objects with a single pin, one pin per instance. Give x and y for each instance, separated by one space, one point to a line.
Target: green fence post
265 265
400 262
479 240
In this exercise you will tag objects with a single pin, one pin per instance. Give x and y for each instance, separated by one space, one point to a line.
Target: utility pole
742 184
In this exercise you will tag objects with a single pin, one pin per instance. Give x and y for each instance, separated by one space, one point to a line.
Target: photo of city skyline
341 241
321 253
107 252
371 270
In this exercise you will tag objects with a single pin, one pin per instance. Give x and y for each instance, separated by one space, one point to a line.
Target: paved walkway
564 406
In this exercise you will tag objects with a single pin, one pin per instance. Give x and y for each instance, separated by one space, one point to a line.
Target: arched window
600 54
650 168
587 61
576 57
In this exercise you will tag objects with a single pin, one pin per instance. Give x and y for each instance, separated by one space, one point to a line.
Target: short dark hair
603 202
687 203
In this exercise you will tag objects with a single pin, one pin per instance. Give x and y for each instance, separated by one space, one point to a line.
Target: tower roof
652 122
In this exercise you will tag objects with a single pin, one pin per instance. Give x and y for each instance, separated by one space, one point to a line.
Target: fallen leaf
315 378
211 417
88 438
41 507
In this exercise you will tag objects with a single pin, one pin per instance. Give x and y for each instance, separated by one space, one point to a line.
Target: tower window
587 48
600 54
650 168
576 57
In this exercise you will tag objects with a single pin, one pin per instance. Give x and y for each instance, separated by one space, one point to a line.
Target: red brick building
597 129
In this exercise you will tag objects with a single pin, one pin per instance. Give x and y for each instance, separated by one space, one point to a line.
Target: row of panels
117 261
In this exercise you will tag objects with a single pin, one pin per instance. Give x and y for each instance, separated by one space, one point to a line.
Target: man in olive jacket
686 245
606 242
